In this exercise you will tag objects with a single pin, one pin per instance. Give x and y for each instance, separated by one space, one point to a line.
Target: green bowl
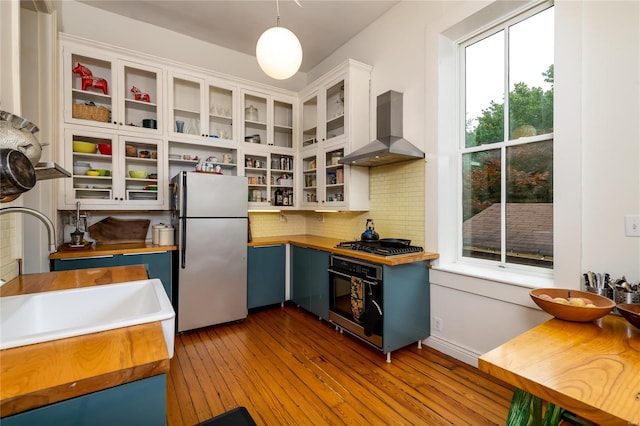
138 174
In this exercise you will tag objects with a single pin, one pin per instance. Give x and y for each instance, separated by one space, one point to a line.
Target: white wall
597 137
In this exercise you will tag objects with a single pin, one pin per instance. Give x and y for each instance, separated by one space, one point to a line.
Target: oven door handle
331 271
350 276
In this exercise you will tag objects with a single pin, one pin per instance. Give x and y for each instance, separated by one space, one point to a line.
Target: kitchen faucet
44 219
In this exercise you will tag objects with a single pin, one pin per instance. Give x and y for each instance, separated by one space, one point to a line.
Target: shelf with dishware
220 156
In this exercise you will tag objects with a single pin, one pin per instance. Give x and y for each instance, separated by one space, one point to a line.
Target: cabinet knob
115 122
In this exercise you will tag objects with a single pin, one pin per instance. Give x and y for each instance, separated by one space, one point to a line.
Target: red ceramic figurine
88 80
139 96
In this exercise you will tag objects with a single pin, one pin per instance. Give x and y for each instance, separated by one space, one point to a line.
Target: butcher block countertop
329 244
65 252
45 373
591 369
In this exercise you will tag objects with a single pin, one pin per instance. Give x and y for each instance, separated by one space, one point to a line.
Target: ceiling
322 26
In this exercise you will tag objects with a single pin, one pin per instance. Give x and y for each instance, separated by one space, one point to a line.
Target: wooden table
591 369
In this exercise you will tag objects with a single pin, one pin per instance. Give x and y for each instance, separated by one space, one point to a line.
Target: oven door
355 304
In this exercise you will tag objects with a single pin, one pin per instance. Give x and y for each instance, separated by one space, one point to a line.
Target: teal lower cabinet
310 280
158 264
139 403
406 300
266 275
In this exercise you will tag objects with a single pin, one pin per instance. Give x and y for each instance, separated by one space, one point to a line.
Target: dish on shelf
84 147
150 188
93 173
175 156
104 148
130 151
138 174
81 168
81 186
102 186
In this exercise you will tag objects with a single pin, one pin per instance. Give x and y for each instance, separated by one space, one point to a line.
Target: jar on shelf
251 113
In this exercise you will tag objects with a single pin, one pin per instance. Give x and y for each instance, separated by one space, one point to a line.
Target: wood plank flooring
288 368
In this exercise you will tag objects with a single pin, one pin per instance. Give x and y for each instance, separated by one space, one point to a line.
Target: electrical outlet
437 323
632 225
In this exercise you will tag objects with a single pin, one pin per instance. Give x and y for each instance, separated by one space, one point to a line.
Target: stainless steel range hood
389 146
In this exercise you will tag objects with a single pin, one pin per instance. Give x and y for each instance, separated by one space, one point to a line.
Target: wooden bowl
630 312
572 312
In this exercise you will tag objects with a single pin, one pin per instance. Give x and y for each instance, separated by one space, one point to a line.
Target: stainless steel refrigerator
209 214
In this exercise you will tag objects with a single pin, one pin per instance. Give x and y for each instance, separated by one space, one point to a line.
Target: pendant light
278 51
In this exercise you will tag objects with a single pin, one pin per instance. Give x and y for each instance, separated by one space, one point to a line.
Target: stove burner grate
381 248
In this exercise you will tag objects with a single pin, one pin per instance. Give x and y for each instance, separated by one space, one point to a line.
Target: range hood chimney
389 146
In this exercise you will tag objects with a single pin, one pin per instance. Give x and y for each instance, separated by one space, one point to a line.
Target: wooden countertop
329 244
590 369
65 252
44 373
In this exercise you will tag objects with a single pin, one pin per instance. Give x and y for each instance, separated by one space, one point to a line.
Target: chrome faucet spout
44 219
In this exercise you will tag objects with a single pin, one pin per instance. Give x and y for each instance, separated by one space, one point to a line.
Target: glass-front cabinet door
310 121
334 108
282 124
140 105
255 119
310 180
186 106
221 102
89 84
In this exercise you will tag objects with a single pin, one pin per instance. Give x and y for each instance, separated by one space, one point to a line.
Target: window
506 151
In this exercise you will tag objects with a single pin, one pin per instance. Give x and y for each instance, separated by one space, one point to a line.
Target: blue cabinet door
265 275
158 264
139 403
310 280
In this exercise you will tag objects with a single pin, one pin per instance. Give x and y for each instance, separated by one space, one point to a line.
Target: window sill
520 279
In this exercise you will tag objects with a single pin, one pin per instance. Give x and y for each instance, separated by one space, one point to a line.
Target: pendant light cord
277 13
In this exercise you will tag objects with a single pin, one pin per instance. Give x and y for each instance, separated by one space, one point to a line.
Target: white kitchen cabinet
114 188
271 179
201 108
119 94
268 120
335 121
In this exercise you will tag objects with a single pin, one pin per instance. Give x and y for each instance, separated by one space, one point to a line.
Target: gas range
383 247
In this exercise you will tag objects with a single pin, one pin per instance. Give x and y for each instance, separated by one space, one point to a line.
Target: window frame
461 149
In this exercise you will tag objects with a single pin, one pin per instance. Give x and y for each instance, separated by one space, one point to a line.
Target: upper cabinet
111 171
201 108
335 121
268 120
111 92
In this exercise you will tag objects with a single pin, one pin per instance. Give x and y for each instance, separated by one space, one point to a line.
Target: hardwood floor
288 368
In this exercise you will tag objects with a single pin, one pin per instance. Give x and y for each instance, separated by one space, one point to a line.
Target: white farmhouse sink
41 317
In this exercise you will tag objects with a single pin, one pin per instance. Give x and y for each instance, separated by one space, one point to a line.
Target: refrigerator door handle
183 238
183 243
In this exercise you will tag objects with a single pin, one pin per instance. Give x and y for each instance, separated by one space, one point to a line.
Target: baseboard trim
458 352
